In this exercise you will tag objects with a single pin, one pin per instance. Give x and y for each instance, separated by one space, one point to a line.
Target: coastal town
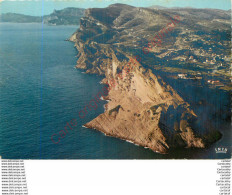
213 65
198 76
180 45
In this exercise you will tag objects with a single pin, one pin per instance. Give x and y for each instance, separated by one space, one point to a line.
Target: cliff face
67 16
145 110
142 108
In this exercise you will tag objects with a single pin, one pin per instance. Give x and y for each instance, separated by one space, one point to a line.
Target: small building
216 83
182 76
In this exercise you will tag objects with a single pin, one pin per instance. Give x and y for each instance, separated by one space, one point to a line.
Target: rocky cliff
142 108
67 16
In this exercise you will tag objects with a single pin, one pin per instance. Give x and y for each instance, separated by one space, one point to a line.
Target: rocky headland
142 108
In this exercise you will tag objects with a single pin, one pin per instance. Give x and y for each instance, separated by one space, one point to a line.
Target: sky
45 7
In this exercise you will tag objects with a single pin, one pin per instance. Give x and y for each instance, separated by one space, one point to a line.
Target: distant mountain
157 7
67 16
19 18
179 8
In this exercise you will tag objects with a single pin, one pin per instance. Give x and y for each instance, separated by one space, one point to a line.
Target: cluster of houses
215 83
185 76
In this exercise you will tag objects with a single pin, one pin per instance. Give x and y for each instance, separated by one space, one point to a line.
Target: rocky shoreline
142 108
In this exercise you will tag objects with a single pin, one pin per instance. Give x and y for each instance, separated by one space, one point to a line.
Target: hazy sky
43 7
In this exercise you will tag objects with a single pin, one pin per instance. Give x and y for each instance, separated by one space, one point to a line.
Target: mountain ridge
66 16
142 108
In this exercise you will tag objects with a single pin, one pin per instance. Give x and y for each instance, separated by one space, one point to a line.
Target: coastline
122 138
140 102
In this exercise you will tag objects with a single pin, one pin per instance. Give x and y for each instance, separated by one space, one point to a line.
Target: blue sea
40 91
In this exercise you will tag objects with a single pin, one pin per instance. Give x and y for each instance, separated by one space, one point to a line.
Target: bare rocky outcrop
142 108
146 111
